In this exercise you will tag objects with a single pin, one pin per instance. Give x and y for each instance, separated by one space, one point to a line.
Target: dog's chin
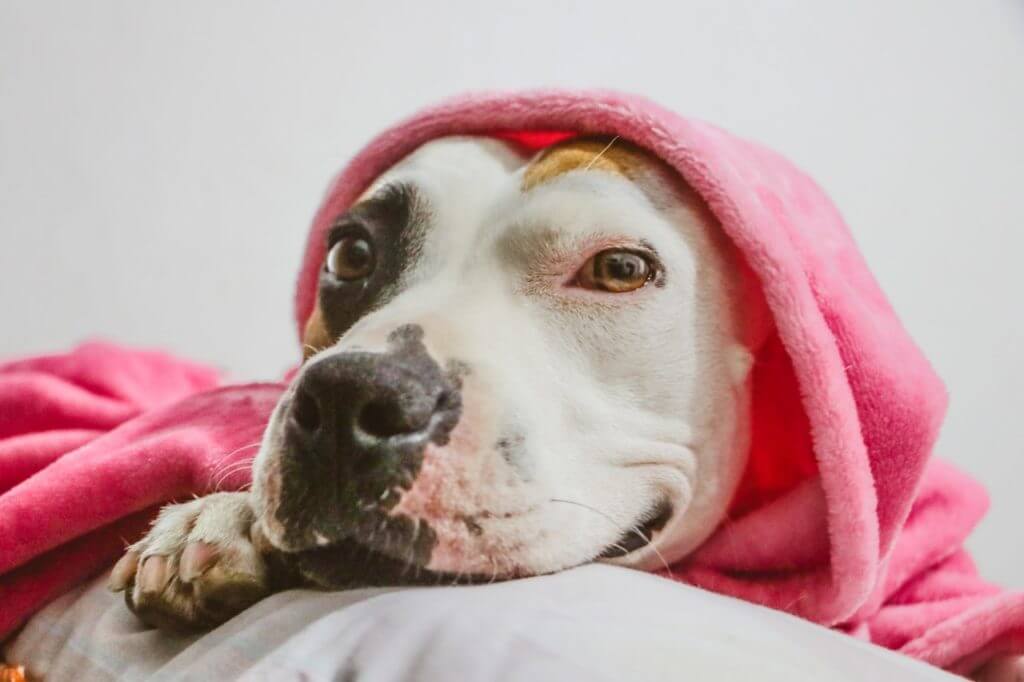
349 564
370 559
399 551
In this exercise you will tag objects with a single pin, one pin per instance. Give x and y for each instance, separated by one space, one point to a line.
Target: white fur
623 400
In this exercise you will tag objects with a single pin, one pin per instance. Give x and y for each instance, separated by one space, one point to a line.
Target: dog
515 366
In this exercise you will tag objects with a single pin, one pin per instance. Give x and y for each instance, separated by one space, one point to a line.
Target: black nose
372 414
354 435
368 398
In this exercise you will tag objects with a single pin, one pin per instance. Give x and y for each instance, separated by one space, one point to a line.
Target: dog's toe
124 571
197 557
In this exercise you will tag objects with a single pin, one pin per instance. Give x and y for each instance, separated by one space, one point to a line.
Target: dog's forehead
463 166
592 190
470 183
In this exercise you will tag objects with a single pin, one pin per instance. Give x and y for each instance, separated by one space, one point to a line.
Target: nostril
385 418
446 401
305 411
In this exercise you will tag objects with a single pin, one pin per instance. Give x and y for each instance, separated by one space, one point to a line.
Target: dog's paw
196 567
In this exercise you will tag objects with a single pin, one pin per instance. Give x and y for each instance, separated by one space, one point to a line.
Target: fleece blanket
843 517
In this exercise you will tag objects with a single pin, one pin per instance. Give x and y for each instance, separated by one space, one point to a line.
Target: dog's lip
638 537
387 570
314 540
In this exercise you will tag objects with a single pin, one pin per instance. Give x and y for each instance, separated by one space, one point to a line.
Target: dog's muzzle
353 440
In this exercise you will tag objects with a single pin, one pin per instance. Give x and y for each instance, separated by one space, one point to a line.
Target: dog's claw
124 571
153 576
196 559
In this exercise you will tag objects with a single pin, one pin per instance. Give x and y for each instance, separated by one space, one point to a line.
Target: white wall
159 161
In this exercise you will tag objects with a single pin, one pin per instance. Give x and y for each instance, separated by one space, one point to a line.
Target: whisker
244 447
219 481
231 468
234 465
221 474
313 350
226 458
223 479
602 152
494 570
633 529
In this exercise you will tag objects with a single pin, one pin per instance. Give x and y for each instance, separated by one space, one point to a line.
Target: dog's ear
316 336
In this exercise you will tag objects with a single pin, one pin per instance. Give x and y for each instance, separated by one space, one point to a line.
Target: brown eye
616 271
351 258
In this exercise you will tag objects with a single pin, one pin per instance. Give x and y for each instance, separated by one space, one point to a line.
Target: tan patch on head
315 337
608 154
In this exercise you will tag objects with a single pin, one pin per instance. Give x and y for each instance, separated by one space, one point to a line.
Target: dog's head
516 366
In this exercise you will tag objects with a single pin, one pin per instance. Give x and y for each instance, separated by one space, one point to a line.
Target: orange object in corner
12 673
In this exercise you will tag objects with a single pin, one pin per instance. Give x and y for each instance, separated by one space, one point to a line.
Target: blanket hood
846 408
841 517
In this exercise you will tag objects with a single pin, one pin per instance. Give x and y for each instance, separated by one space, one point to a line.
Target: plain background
160 161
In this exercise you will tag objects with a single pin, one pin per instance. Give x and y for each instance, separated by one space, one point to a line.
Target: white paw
196 567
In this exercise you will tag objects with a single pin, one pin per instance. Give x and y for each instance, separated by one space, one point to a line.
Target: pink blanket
841 518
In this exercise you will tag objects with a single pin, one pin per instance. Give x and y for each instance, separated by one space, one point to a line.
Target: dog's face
515 366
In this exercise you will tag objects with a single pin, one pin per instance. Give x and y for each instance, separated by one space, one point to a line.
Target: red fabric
841 518
91 442
781 452
531 140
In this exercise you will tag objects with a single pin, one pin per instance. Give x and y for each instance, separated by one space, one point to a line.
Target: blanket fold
842 517
93 442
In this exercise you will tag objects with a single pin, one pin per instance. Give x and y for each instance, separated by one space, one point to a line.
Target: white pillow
592 623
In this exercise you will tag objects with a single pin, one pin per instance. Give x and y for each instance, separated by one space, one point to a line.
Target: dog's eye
615 271
351 258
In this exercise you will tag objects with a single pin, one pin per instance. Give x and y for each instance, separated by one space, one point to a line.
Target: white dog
515 366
